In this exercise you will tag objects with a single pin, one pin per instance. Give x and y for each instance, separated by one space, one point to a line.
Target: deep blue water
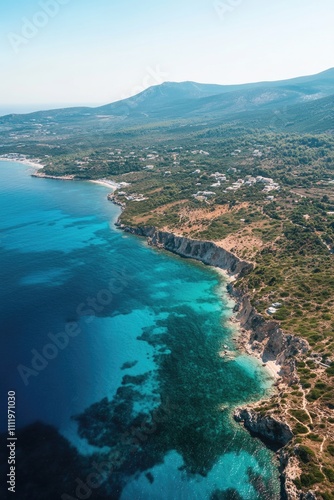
147 328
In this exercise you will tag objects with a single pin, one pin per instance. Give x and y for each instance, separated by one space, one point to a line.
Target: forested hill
257 104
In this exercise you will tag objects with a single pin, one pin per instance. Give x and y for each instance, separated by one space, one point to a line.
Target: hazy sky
97 51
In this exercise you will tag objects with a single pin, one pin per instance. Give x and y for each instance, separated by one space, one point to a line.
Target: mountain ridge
194 90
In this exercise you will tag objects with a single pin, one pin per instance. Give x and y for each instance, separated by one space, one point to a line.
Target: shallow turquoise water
150 327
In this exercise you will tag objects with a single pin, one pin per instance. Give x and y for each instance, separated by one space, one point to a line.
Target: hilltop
249 168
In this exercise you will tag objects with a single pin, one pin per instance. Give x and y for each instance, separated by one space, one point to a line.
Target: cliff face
267 340
264 338
204 251
290 470
268 427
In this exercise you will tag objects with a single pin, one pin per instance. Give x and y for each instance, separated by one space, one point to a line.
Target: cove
143 380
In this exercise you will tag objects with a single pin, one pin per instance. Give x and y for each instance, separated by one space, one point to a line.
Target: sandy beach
29 163
270 366
106 182
273 369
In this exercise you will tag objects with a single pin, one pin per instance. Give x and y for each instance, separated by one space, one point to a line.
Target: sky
73 52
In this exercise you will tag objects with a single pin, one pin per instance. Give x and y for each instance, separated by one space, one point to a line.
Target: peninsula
242 179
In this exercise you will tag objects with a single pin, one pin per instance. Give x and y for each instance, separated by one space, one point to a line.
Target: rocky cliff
266 339
204 251
266 426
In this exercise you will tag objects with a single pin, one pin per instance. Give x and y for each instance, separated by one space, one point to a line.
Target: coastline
239 334
41 175
105 182
230 273
247 332
256 336
30 163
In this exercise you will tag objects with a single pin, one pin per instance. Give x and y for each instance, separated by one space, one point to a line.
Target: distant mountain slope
257 104
189 99
166 94
314 116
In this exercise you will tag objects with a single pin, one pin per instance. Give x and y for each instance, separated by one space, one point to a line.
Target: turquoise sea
113 348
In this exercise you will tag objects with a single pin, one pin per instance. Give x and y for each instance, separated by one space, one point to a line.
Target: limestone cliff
264 338
266 426
204 251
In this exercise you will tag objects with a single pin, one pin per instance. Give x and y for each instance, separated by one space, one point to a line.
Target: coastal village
167 250
246 200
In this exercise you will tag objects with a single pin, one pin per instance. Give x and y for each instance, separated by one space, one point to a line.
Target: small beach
30 163
155 344
107 183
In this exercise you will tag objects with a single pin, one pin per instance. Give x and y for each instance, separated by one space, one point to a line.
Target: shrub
329 474
321 385
300 429
313 395
330 370
305 454
305 384
326 496
311 363
300 415
330 449
314 437
282 314
313 477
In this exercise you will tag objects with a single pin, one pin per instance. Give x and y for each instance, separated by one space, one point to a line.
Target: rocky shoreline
258 336
57 177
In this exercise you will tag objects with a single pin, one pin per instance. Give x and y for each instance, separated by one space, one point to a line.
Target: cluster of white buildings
132 197
200 152
219 178
257 153
274 308
269 184
203 195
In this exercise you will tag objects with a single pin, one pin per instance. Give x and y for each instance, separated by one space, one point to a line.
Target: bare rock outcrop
267 339
290 470
266 426
204 251
264 338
